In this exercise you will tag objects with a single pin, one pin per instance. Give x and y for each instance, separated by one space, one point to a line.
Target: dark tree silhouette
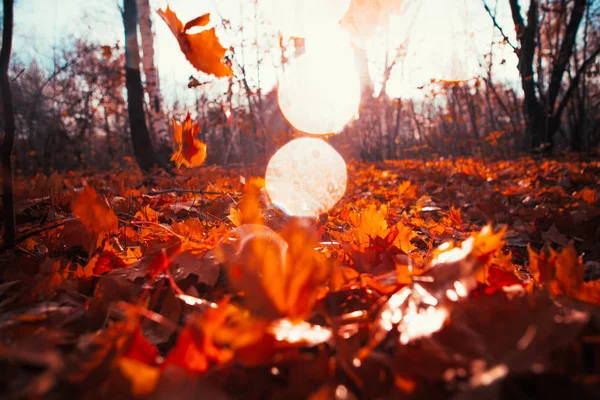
542 108
140 136
8 200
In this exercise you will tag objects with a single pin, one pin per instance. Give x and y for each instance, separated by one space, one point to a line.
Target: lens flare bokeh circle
319 91
306 177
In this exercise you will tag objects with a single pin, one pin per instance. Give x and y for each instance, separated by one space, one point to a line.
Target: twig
493 17
182 191
18 75
29 234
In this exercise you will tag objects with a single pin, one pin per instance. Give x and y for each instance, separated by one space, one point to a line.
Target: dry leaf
279 274
190 151
203 50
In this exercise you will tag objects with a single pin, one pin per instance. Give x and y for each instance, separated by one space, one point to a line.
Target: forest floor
448 278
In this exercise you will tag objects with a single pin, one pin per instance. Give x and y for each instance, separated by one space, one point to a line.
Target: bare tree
543 106
140 137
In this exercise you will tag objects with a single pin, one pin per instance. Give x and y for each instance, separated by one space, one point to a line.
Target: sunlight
306 177
303 17
414 313
289 331
320 91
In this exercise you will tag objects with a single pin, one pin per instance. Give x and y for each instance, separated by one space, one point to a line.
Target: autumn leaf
279 274
93 212
371 223
213 338
563 272
203 50
146 214
235 216
190 151
188 353
105 262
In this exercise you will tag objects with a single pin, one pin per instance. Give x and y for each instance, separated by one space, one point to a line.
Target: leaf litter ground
428 280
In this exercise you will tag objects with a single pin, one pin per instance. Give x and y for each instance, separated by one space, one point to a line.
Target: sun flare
320 91
306 177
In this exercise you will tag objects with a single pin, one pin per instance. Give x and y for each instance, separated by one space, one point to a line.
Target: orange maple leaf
190 152
563 273
280 275
93 212
203 50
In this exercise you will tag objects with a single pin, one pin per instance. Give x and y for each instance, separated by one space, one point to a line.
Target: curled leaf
203 50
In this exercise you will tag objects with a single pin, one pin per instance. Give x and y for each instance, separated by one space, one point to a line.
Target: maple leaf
146 214
280 275
203 50
403 235
93 212
190 152
191 229
563 273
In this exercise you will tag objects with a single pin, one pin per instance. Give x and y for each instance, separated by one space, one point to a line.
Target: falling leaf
190 152
203 50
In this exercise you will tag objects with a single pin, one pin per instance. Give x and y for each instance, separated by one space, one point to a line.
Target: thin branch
575 82
35 232
497 25
182 191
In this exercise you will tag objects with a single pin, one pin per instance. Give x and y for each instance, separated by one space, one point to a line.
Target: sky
444 39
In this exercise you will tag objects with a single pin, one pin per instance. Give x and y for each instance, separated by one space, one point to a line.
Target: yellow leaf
235 216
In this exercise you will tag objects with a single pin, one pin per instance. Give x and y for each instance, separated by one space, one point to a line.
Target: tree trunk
140 137
533 110
8 144
157 116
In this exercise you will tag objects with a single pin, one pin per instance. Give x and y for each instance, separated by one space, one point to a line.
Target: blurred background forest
438 79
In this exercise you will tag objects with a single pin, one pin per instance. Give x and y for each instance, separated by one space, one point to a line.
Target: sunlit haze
303 17
442 39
